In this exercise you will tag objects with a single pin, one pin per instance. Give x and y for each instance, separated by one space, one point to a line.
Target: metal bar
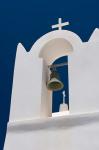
58 65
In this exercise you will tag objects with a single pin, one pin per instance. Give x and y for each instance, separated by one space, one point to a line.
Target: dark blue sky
25 21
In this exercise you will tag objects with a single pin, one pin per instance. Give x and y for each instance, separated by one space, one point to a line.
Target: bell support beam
58 65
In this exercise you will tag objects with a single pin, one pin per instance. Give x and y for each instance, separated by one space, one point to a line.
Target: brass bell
54 84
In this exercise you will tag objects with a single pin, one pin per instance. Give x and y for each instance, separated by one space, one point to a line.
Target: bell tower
31 103
32 72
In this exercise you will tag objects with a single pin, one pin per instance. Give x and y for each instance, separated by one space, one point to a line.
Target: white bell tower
31 124
30 96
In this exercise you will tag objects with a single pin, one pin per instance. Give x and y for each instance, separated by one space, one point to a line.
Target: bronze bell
54 84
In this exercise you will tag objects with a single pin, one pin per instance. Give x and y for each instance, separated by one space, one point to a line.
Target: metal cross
60 24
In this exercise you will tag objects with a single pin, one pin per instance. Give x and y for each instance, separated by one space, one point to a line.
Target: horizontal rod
58 65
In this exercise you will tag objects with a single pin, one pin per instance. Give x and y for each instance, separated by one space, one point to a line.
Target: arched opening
57 97
56 51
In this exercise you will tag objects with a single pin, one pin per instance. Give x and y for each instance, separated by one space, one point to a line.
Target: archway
56 49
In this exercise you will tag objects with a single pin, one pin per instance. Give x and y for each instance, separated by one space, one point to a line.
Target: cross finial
60 24
64 95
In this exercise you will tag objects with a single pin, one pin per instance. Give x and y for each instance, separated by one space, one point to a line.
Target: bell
54 84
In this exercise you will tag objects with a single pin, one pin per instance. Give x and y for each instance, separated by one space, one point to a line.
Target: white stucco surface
84 78
72 133
95 36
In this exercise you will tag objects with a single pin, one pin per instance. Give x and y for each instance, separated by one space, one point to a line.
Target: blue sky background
25 21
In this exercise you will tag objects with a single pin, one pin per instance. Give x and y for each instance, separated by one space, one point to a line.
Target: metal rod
58 65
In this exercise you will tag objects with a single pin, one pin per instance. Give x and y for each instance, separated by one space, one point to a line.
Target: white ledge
67 121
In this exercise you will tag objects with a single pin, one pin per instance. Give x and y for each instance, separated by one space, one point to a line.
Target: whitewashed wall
67 133
27 86
84 78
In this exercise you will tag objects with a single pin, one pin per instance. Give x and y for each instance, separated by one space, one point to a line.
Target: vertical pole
60 21
64 95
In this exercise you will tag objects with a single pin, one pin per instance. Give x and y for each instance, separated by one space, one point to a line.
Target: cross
64 95
60 24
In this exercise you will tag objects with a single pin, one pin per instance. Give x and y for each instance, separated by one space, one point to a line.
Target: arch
62 35
67 39
55 49
50 47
